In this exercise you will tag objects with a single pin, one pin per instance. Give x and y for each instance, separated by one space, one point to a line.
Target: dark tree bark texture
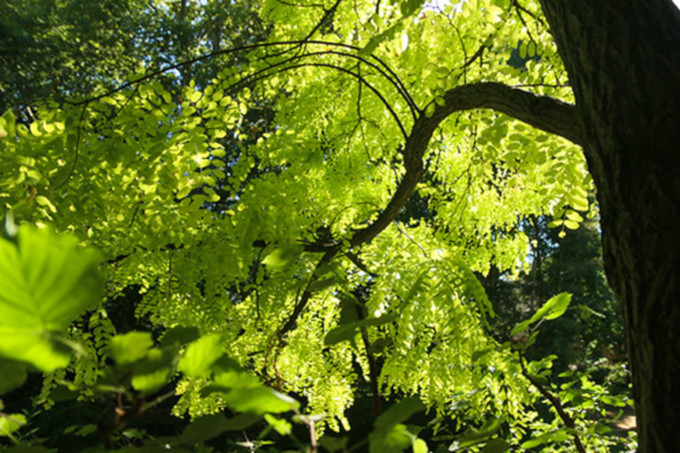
623 60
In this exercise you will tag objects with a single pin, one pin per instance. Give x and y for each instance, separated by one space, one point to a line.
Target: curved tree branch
542 112
388 73
285 66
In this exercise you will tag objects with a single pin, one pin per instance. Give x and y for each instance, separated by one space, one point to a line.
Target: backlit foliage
239 206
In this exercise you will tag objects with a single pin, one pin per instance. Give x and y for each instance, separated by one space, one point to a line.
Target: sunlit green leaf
179 335
201 354
557 436
553 308
281 426
130 347
347 331
45 282
154 370
420 446
9 423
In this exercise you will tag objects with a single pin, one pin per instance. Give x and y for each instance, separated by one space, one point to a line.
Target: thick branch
542 112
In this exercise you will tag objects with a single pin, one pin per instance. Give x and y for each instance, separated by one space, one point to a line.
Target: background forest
224 231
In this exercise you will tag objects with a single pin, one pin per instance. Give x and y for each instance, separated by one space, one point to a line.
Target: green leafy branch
556 404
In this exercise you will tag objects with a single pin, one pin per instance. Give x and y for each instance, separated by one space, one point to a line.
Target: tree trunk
623 60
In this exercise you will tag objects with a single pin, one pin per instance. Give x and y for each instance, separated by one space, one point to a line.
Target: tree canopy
303 201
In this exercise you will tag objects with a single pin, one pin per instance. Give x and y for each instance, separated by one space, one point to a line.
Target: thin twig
77 147
327 14
556 403
373 372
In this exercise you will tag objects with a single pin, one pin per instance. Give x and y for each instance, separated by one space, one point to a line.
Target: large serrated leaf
46 281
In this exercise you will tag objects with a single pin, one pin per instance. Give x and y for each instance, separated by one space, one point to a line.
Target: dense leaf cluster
255 198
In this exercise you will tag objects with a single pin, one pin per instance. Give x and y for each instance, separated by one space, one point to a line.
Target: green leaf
259 400
243 392
531 49
282 256
46 280
347 331
12 375
283 427
44 350
86 430
195 96
573 215
479 354
409 7
557 436
553 308
130 347
153 371
477 436
429 110
386 35
496 446
572 225
392 440
40 294
201 355
211 426
10 423
390 435
179 335
420 446
522 50
7 124
521 327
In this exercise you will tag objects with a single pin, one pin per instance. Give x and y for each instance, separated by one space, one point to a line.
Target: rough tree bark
623 60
